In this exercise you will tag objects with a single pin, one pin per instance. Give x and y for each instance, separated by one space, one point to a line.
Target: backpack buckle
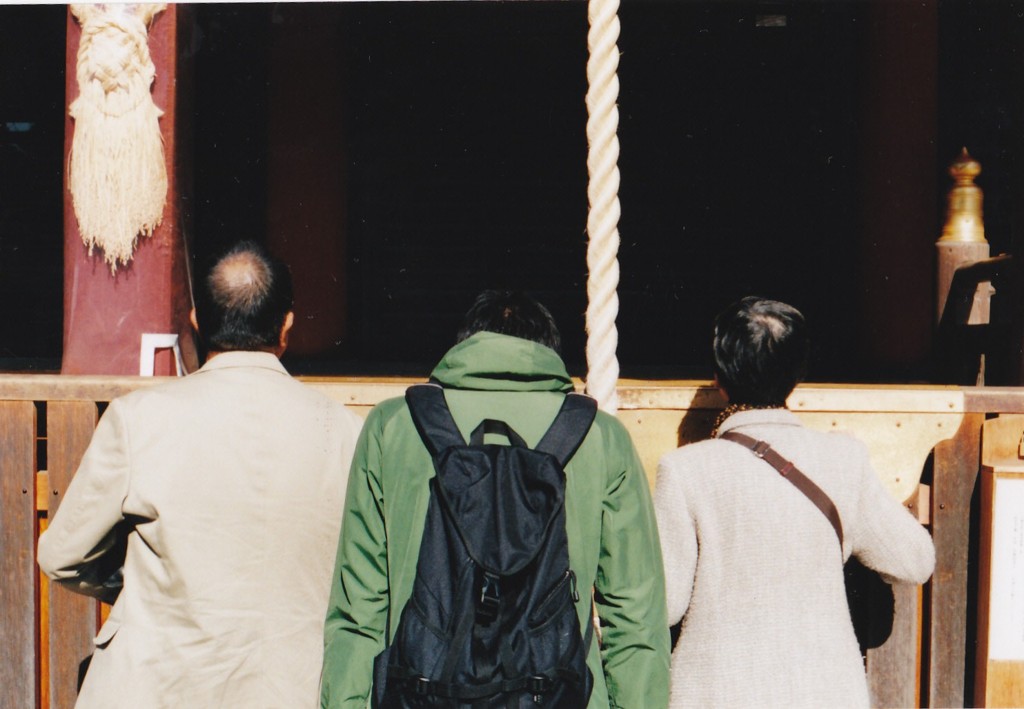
420 686
490 600
538 684
761 448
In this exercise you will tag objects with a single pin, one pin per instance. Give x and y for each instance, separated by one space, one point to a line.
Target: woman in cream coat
753 568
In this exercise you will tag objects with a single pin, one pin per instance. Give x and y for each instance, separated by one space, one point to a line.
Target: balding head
243 301
239 280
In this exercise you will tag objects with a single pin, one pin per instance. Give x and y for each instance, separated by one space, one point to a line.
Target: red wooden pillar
106 314
898 196
306 176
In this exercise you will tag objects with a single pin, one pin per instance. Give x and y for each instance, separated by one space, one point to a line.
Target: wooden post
956 463
890 665
18 653
72 617
105 315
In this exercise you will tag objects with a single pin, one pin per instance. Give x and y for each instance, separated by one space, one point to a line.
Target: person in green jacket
505 366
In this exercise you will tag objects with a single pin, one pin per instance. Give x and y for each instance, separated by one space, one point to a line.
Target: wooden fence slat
18 655
956 465
893 668
72 626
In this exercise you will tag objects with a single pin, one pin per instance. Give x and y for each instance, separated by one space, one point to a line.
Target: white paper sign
1006 608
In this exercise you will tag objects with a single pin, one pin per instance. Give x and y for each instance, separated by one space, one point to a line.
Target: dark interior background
31 174
455 137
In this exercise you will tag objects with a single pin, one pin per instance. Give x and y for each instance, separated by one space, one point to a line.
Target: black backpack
492 617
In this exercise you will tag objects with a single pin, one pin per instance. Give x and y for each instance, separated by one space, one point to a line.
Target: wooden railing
46 422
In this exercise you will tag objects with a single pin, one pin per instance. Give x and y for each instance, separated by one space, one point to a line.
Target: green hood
488 361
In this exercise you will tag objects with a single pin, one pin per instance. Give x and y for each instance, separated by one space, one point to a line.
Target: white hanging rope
116 172
602 192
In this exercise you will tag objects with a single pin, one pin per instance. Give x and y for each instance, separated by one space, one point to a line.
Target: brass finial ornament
963 214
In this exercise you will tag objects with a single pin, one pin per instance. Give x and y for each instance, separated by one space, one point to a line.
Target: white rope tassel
603 189
116 172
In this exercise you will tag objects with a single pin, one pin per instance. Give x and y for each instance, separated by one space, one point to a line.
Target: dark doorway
404 156
31 173
464 152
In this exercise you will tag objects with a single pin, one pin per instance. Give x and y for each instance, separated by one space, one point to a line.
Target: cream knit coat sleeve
884 536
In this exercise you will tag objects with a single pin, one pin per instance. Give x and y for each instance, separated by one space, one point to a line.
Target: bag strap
570 427
793 474
414 683
438 430
495 427
432 418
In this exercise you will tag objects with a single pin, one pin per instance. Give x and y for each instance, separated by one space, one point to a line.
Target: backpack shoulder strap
438 430
570 427
793 474
432 417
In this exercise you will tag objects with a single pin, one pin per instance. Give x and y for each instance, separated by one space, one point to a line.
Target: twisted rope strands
602 192
117 175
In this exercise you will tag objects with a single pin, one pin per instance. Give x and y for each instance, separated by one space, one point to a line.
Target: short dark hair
512 313
243 299
761 349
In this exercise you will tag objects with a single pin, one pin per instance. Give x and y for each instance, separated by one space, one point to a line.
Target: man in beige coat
210 508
